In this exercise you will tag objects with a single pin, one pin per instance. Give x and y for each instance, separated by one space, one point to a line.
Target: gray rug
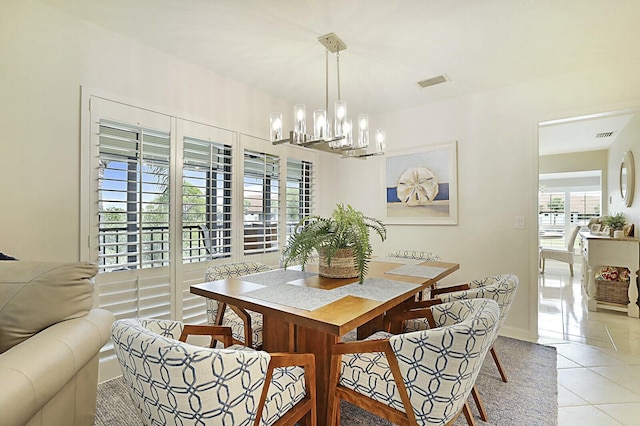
529 398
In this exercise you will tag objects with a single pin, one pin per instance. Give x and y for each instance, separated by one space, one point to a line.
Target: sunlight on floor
598 353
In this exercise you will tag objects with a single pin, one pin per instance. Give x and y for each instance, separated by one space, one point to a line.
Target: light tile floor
598 353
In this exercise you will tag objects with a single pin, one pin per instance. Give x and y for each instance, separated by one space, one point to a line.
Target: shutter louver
133 199
261 197
206 200
299 198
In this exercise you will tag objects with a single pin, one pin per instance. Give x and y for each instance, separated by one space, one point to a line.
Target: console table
598 251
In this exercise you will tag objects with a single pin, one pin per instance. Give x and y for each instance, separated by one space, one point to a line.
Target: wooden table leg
277 335
318 343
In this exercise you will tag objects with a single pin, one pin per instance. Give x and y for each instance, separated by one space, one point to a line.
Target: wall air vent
433 81
604 135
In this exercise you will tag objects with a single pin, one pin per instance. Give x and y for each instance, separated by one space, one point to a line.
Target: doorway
573 187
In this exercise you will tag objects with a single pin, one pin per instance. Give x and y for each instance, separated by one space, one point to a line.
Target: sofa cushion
35 295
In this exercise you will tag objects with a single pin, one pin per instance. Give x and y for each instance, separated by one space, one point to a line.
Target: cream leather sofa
50 337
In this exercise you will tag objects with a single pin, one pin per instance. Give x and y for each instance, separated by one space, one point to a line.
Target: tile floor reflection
598 353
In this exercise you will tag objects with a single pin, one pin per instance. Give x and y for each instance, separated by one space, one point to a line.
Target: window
206 200
260 202
565 200
133 197
299 196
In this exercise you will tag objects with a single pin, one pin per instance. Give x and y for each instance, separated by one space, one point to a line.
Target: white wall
497 173
45 57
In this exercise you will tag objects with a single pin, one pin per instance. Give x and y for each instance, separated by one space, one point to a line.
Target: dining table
308 313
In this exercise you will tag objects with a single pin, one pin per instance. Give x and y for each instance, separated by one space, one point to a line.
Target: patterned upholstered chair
418 378
501 288
425 256
245 325
565 255
412 316
418 255
175 383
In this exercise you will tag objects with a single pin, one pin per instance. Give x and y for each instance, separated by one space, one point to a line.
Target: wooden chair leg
571 268
497 361
479 404
468 415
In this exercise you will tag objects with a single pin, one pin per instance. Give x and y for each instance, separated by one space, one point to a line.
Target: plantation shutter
261 188
133 200
206 200
299 197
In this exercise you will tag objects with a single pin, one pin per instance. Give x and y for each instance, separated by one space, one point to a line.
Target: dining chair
312 259
417 255
565 255
426 256
418 378
418 315
246 325
175 383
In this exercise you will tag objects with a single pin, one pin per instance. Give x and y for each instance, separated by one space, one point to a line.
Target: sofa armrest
39 367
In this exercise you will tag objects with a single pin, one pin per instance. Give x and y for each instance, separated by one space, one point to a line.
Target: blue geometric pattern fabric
439 366
501 288
230 318
175 383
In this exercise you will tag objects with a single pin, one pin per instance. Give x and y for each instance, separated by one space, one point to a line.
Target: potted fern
341 240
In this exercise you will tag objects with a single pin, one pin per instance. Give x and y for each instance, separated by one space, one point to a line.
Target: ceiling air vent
433 81
604 135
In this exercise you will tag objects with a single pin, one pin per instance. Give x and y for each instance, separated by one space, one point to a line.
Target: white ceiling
391 44
588 133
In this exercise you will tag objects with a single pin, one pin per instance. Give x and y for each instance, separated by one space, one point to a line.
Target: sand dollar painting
417 186
421 186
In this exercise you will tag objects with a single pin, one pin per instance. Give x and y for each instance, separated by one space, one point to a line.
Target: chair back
572 238
228 270
501 289
174 383
427 256
439 366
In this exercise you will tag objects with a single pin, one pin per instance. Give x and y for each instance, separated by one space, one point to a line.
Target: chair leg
542 266
571 268
479 403
467 414
497 361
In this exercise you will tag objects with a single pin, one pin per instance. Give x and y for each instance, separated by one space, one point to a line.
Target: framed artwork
422 186
594 227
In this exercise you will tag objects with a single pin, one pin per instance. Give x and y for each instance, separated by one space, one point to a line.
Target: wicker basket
612 291
343 265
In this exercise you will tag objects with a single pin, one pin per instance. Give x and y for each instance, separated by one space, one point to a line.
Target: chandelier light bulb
347 132
363 130
299 116
380 140
276 126
340 108
319 124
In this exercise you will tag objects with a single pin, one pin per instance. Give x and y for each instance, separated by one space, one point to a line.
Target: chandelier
339 139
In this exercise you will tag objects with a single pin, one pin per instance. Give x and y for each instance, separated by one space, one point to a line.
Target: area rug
529 398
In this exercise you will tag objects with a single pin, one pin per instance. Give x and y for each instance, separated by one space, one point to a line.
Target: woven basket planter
343 265
612 291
